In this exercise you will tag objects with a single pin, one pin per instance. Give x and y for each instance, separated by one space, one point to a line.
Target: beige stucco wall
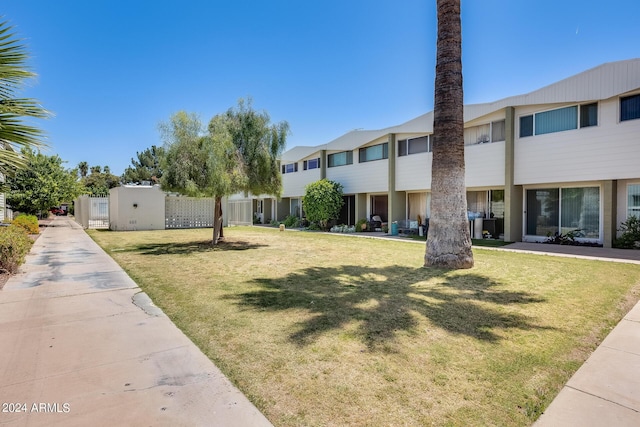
136 208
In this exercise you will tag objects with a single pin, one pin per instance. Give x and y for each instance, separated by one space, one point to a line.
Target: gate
92 212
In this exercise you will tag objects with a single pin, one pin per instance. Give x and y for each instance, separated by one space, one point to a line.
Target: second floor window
630 107
560 119
375 152
414 145
340 159
311 164
290 168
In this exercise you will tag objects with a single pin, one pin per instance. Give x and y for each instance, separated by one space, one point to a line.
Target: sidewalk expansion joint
602 398
620 350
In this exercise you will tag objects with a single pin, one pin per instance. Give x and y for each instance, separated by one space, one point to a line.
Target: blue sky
110 71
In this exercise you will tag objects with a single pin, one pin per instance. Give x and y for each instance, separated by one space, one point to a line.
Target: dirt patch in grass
325 330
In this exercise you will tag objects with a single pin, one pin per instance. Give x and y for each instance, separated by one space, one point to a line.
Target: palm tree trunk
449 239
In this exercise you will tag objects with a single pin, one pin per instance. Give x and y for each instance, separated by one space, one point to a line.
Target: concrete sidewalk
82 345
605 391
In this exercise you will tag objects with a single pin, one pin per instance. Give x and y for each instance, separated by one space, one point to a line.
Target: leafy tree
322 201
449 240
14 134
237 152
99 181
200 164
43 184
259 144
83 167
146 168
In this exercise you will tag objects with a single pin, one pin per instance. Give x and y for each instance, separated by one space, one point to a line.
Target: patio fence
188 212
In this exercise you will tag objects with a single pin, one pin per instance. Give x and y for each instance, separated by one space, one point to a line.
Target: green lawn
319 329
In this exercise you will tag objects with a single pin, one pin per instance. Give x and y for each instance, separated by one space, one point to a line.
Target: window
563 210
498 131
589 115
311 164
290 168
414 145
402 148
375 152
294 208
630 107
580 210
477 135
633 200
482 134
418 145
526 126
556 120
340 159
559 120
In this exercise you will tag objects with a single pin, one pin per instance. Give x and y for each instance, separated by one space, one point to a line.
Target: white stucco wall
136 208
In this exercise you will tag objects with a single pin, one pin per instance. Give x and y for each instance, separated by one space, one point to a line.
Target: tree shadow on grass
388 300
172 248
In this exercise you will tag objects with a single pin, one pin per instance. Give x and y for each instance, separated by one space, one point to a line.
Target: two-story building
562 158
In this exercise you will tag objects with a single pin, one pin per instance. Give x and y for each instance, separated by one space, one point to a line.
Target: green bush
630 238
359 225
14 246
28 222
322 202
291 222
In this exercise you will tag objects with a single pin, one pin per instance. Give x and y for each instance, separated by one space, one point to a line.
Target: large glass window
559 120
375 152
340 159
556 120
542 212
564 210
630 107
580 208
633 200
295 208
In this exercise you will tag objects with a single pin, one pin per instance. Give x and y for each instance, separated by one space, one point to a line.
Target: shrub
630 238
28 222
359 225
322 202
14 246
291 222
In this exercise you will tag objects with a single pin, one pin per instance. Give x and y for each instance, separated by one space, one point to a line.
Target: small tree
322 202
239 152
199 164
44 184
146 168
99 183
